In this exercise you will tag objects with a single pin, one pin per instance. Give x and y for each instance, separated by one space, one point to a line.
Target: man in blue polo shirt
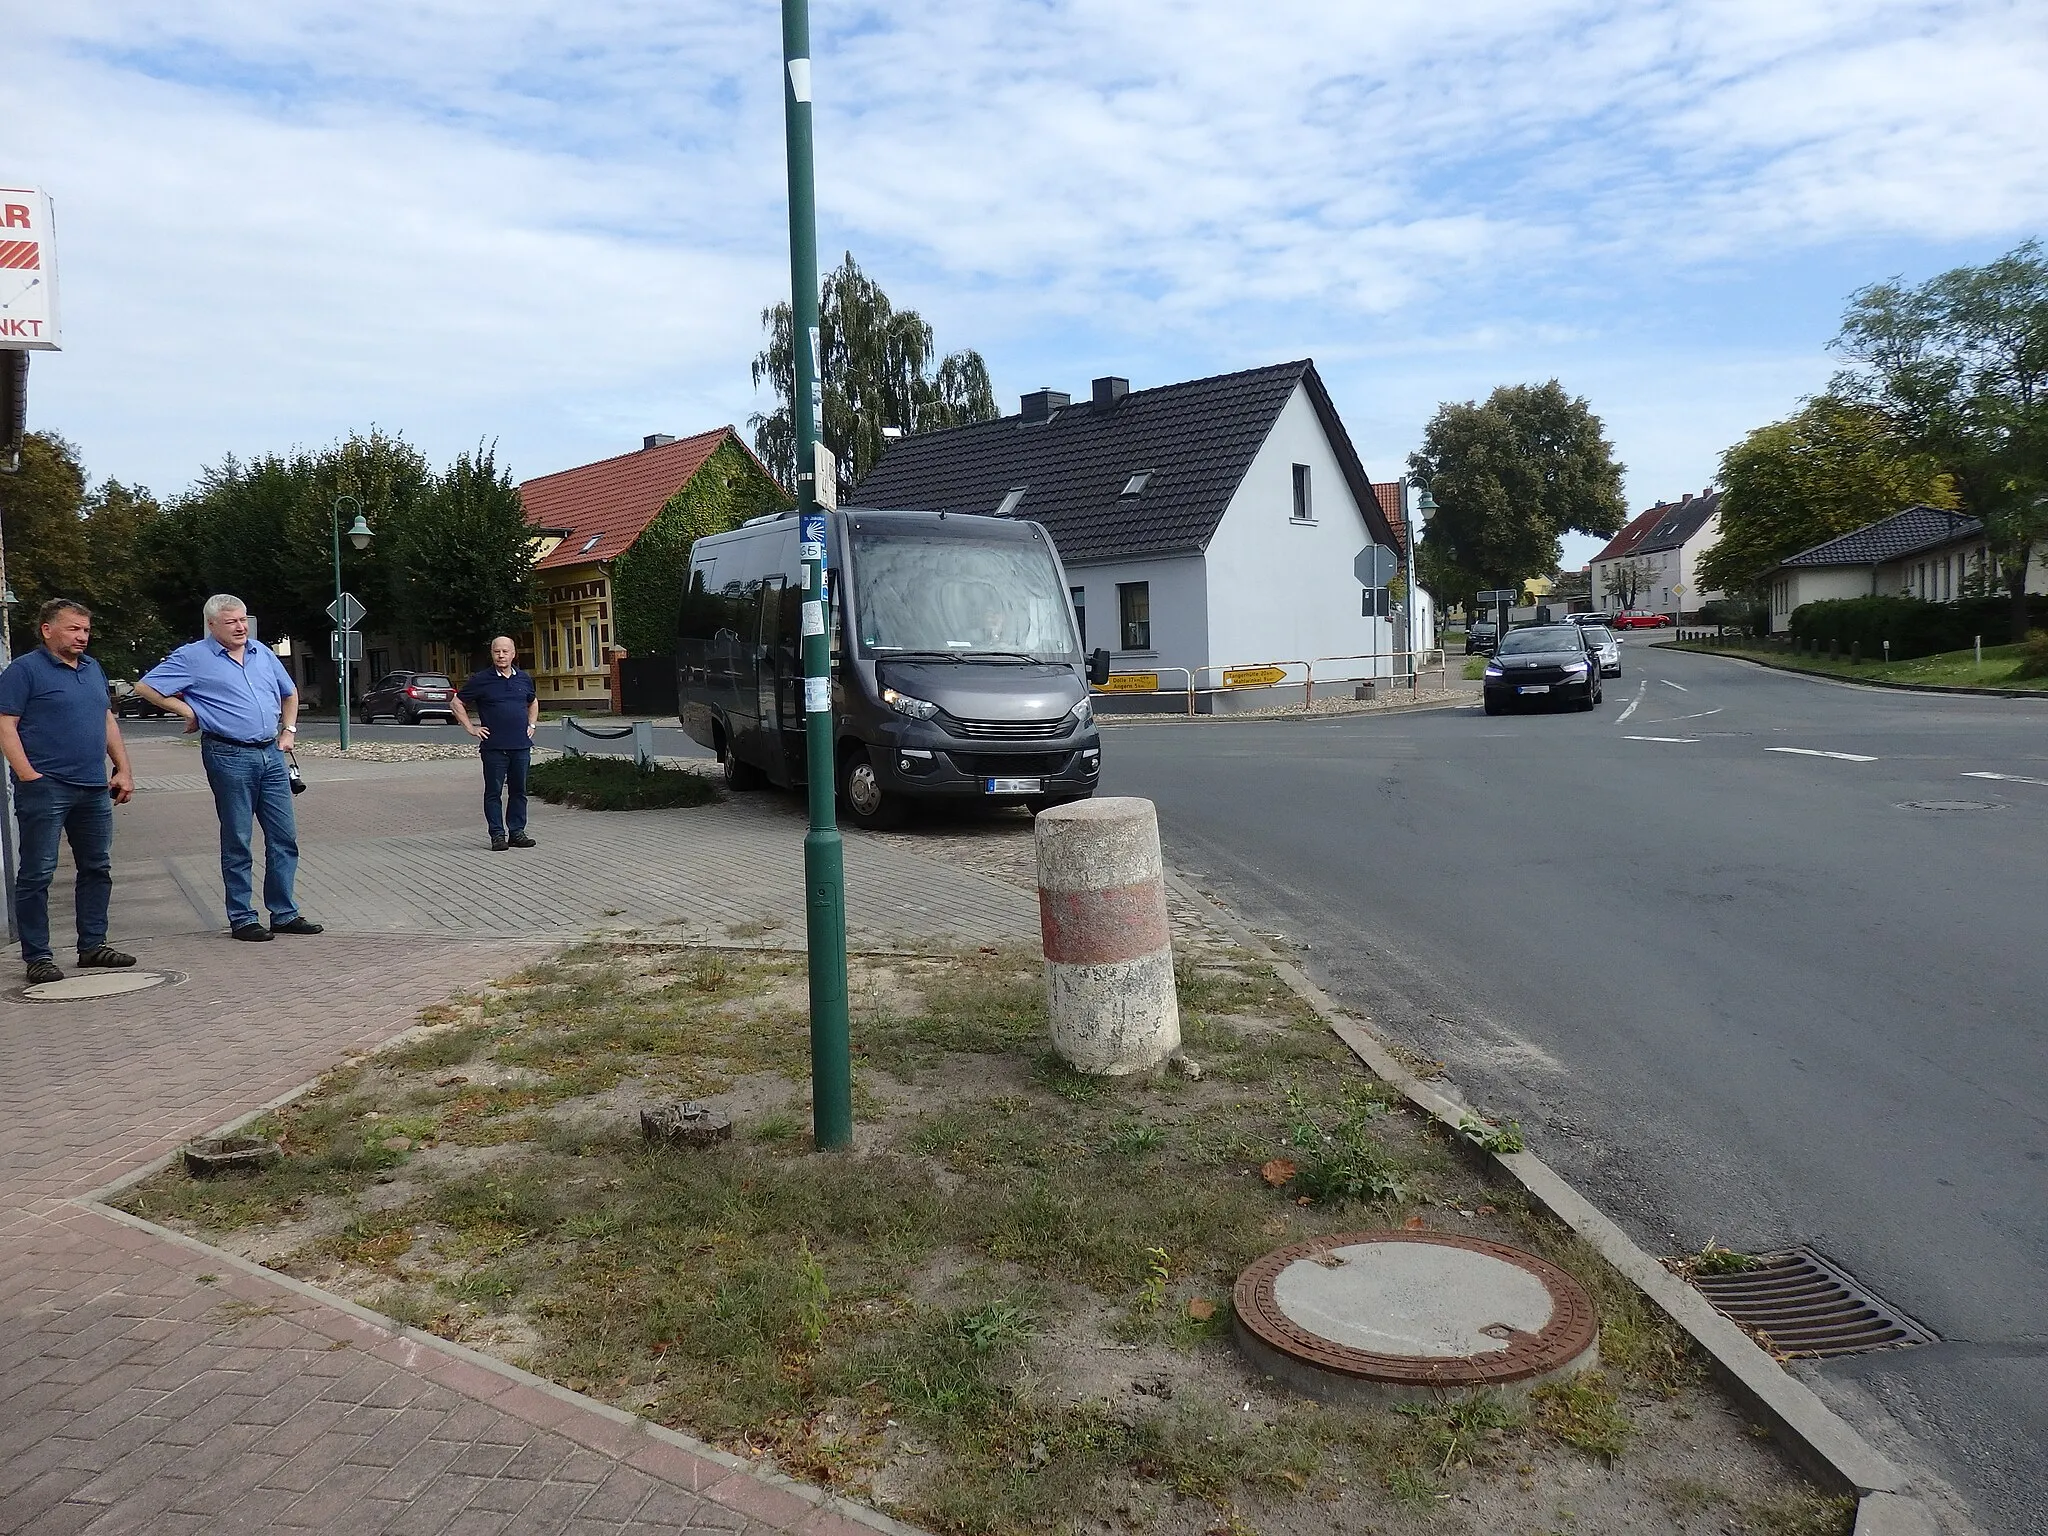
240 699
508 710
57 733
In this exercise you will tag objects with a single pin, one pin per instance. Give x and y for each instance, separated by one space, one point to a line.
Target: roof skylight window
589 544
1010 500
1136 483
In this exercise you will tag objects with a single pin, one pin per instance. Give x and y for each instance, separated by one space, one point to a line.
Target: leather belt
229 741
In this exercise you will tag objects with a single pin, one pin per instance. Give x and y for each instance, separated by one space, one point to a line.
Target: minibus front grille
1012 730
1039 765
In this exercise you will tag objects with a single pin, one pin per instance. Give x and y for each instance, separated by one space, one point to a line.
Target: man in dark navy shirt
57 733
508 710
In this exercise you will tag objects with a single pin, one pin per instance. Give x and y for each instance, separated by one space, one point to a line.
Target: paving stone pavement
150 1384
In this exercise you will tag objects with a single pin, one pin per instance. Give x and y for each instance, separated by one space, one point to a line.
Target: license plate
433 695
1534 688
1013 786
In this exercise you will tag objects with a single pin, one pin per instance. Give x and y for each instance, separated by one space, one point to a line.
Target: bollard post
643 744
1108 947
569 737
1855 653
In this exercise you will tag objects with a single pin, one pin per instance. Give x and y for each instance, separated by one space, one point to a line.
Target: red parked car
1640 621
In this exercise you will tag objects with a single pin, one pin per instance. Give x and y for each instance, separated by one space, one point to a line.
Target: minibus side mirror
1098 666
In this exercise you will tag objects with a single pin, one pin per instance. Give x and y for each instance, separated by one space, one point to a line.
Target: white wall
1180 620
1281 590
1696 595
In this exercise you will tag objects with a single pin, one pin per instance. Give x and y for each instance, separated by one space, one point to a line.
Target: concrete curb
1958 690
1807 1427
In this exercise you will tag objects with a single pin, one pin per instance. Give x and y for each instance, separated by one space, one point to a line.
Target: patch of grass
617 784
2004 665
1716 1260
1338 1159
1488 1137
1586 1412
440 1050
1800 1513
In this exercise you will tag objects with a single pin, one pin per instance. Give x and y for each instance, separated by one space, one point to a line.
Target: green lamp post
359 534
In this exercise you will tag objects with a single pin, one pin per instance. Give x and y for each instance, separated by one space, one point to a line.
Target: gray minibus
957 669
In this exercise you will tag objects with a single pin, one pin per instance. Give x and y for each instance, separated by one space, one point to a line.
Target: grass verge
1007 1310
617 784
1950 669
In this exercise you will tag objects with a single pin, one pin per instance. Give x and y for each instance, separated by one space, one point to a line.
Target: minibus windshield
954 595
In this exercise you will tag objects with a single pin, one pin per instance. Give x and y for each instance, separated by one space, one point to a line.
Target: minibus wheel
867 803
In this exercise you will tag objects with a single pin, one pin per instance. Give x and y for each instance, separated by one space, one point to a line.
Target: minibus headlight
1083 712
904 704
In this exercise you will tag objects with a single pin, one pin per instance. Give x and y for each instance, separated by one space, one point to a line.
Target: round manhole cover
1408 1313
1950 805
89 985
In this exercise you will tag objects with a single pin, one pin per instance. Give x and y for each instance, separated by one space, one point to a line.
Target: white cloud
557 224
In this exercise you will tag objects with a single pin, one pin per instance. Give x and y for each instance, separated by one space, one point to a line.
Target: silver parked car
1608 644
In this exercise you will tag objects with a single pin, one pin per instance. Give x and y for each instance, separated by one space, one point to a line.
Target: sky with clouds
555 226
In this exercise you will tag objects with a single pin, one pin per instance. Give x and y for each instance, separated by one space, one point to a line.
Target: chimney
656 440
1685 498
1110 390
1041 403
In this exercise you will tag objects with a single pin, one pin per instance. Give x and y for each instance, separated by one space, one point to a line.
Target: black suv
1544 664
408 696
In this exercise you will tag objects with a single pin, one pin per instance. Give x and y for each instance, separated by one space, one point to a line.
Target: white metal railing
1243 677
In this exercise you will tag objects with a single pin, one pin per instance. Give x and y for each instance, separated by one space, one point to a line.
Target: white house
1922 552
1208 528
1668 541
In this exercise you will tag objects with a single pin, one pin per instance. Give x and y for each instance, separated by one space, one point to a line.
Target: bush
2034 655
617 784
1914 628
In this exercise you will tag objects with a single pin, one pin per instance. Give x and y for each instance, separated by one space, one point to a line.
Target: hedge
1913 627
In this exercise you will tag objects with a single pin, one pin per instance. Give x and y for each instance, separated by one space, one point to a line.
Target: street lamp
359 534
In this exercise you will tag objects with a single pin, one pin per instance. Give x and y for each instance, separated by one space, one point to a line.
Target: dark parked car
1480 635
1548 663
127 704
408 696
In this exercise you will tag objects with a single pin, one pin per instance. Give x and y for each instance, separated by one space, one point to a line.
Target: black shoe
40 971
498 844
520 840
252 933
297 925
103 954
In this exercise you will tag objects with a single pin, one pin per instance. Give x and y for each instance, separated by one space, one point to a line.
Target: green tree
129 633
1510 477
1959 366
461 555
42 519
648 579
1829 468
878 369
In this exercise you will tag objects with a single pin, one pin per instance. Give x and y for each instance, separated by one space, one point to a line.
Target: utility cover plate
91 984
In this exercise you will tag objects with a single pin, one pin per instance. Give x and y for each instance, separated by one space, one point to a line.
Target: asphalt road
1732 989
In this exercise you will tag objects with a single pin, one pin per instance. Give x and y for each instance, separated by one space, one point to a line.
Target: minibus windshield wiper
884 653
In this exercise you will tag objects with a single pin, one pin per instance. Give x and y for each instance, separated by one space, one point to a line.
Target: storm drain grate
1799 1304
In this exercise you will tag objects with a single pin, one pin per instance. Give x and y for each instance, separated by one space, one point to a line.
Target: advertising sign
28 272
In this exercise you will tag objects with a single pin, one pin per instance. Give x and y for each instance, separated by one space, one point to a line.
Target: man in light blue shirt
243 703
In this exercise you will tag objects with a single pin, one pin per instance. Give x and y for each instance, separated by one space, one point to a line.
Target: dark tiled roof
1903 533
613 500
1667 525
1197 440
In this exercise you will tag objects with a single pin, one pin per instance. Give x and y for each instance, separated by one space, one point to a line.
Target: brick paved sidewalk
150 1384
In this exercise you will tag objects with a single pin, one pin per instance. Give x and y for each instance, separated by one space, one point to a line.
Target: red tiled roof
613 500
1389 494
1624 542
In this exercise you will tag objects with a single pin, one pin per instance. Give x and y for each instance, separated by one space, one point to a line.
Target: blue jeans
505 775
46 810
251 782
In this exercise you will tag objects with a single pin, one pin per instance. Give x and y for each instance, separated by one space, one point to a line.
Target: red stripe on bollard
1124 922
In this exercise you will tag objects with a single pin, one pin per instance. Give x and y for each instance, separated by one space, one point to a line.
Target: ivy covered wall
647 580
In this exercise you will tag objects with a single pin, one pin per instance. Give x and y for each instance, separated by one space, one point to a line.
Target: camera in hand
291 770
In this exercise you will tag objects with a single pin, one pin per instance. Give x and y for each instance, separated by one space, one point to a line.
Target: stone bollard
1108 948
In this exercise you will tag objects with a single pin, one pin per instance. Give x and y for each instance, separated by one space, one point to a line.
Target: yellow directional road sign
1131 682
1254 677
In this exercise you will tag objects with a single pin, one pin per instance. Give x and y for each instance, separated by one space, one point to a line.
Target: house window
597 660
1304 507
1080 597
1134 611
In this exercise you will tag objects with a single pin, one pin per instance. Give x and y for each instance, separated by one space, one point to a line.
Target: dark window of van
1080 596
702 608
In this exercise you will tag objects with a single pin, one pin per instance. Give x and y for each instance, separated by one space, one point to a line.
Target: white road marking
1670 684
1669 719
1622 718
1847 757
2009 778
1687 739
